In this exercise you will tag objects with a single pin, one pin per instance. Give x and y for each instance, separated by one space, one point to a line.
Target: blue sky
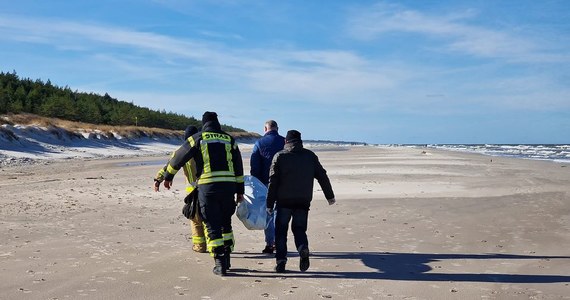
371 71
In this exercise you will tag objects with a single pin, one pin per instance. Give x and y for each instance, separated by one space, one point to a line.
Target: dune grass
108 130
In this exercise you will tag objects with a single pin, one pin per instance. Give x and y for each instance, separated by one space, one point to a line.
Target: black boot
280 266
220 265
304 262
227 252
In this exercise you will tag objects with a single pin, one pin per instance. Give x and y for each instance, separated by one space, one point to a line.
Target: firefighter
190 210
219 169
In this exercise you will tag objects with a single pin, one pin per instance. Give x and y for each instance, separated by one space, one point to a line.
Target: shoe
280 267
304 262
268 250
200 248
219 267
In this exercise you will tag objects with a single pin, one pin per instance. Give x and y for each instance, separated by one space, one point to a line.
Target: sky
380 72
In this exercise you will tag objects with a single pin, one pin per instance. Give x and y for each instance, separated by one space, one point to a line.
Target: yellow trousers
198 237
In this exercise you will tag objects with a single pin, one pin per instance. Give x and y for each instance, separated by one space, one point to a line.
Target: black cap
293 136
190 131
209 116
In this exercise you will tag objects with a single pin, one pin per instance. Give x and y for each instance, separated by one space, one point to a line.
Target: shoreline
161 148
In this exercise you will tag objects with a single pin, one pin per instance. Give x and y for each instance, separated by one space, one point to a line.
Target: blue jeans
299 219
270 230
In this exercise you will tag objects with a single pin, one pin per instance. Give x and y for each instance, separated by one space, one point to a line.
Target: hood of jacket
294 146
212 126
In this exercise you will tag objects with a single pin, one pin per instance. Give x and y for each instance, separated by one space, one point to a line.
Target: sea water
552 152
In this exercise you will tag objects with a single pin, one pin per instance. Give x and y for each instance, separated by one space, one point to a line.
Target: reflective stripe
198 240
206 158
217 137
229 158
218 173
171 170
191 177
228 236
229 240
205 232
207 239
208 175
191 141
214 244
188 172
239 179
216 179
216 141
160 175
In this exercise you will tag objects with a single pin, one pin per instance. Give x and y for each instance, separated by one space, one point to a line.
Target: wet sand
407 225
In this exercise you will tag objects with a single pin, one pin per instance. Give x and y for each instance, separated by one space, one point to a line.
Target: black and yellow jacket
189 174
216 154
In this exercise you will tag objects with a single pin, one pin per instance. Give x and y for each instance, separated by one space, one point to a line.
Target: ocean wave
552 152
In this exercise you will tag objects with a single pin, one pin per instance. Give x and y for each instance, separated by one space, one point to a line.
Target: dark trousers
217 206
299 219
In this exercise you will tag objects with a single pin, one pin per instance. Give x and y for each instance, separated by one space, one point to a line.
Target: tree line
45 99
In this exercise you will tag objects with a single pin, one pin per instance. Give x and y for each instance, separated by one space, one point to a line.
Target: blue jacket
262 155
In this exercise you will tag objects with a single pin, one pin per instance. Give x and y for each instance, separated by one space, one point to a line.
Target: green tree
87 110
58 107
18 100
35 100
17 95
5 99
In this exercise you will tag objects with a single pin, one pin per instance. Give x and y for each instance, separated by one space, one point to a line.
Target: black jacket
224 164
292 175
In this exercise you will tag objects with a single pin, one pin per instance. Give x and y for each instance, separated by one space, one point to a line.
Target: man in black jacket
291 179
219 169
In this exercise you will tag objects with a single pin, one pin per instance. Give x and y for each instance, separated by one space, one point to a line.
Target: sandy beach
407 225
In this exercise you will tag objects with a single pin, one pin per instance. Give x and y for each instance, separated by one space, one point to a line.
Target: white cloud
219 35
67 33
320 84
312 75
453 30
127 61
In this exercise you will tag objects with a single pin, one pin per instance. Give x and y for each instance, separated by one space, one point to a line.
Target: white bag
252 210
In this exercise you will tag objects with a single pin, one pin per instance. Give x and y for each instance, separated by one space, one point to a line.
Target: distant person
219 169
291 179
260 162
191 208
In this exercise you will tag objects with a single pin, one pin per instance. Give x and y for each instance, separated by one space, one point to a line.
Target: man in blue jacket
260 162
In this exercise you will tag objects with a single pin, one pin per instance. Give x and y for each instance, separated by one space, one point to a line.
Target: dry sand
407 225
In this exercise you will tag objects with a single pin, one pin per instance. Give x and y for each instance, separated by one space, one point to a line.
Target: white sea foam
553 152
